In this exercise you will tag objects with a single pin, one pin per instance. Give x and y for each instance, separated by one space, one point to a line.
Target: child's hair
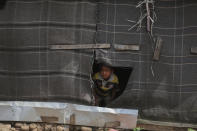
105 65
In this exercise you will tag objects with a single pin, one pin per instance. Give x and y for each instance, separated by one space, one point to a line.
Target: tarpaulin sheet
30 71
169 93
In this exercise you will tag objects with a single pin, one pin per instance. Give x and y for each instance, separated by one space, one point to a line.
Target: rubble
47 127
25 128
40 128
86 129
60 128
32 126
35 129
53 128
18 125
5 125
12 129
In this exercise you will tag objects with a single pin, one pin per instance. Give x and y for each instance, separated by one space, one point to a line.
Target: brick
60 128
4 129
47 127
25 128
5 125
35 129
12 129
40 128
54 128
18 125
32 126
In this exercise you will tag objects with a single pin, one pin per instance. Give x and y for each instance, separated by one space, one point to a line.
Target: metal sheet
61 113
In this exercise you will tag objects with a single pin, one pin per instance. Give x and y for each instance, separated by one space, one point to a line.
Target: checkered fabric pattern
169 90
28 69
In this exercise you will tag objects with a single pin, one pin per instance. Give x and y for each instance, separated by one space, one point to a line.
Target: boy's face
106 72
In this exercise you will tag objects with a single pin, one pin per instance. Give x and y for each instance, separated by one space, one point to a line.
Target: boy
106 85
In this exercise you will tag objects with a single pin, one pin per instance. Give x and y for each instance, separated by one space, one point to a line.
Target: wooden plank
72 122
194 50
72 119
127 47
49 119
112 124
80 46
151 123
152 127
157 49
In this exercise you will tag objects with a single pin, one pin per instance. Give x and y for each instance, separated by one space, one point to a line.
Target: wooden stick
157 49
148 16
79 46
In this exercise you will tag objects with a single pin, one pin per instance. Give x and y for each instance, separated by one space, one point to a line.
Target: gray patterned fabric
30 71
170 94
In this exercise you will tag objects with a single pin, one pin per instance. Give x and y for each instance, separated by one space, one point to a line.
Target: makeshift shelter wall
30 71
167 92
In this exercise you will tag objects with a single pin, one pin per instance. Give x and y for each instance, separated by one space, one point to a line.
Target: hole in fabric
102 98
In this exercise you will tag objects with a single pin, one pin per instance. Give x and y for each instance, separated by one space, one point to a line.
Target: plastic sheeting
168 91
30 71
